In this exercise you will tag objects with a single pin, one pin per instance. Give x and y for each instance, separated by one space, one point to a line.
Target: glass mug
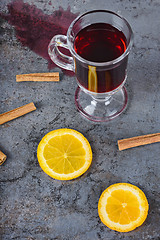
99 42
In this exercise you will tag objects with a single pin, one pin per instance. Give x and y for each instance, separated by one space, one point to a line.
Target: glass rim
99 64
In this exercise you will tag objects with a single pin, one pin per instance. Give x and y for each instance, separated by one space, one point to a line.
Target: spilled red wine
34 29
101 42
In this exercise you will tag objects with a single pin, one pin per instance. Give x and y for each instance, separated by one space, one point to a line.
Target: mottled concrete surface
34 206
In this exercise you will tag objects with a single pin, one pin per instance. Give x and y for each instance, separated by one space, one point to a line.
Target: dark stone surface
34 206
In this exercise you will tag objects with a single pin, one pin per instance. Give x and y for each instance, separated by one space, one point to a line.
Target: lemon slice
64 154
92 79
123 207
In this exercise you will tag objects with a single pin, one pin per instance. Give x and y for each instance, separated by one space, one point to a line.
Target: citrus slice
123 207
64 154
92 79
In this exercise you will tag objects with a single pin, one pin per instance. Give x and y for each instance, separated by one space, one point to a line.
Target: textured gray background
35 206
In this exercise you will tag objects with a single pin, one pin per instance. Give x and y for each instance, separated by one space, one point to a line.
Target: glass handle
57 56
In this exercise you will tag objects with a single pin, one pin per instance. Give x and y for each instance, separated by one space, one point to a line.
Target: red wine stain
34 29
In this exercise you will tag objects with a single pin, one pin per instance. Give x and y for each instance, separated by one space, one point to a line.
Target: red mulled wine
101 42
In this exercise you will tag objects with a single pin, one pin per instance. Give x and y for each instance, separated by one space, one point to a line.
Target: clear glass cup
106 104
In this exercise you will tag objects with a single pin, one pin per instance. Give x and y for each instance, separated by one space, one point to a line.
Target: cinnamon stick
38 77
3 157
15 113
138 141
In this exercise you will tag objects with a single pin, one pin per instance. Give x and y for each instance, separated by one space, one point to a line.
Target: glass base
101 109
